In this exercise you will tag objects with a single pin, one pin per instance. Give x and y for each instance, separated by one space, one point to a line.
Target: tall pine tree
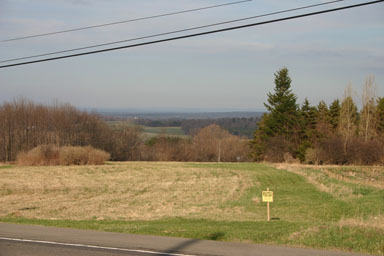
308 121
334 114
282 121
282 107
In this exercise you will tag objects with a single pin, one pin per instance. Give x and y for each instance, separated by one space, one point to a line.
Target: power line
172 32
124 21
197 34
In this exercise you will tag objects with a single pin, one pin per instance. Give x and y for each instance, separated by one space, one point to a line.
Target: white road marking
92 246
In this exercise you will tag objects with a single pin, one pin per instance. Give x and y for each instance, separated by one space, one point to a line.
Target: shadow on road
181 246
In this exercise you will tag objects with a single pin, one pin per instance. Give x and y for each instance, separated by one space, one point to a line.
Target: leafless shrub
365 152
213 143
331 151
41 155
312 156
53 155
359 151
96 156
276 147
210 144
288 158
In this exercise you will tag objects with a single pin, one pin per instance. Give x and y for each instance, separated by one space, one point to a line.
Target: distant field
312 208
170 131
117 124
150 132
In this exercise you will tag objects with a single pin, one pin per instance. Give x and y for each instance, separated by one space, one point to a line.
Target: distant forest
244 127
126 115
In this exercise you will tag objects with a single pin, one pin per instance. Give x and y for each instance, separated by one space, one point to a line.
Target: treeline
210 144
159 123
25 125
334 134
243 127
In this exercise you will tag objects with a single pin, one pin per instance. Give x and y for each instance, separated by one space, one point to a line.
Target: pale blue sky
232 70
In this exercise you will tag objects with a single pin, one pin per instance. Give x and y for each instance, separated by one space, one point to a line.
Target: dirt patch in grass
130 191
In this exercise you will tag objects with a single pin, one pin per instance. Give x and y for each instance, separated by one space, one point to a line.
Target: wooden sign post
268 198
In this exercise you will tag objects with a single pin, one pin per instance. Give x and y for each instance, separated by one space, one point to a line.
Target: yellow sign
267 196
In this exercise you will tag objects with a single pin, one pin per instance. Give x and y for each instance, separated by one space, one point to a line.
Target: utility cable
172 32
124 21
198 34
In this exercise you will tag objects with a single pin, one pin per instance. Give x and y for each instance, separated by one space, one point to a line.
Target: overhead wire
174 32
124 21
197 34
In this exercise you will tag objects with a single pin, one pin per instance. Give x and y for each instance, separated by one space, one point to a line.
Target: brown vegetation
210 144
131 190
25 125
53 155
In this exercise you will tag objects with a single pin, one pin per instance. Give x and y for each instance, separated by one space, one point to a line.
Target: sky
230 71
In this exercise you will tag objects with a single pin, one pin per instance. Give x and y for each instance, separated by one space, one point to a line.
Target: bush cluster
210 144
67 155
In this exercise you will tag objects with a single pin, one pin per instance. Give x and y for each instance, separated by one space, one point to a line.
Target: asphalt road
22 240
14 248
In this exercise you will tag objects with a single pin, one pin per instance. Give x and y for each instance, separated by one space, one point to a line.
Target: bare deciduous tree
348 117
367 119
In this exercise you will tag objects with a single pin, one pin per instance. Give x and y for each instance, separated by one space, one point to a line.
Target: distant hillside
176 115
237 123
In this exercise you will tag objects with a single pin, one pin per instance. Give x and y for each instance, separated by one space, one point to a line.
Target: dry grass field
314 206
131 191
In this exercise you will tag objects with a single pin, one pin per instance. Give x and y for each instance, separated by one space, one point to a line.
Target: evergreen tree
380 117
322 112
258 144
282 121
308 118
282 107
334 114
323 125
306 106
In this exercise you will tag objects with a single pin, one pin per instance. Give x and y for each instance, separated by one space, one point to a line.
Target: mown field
326 207
150 132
